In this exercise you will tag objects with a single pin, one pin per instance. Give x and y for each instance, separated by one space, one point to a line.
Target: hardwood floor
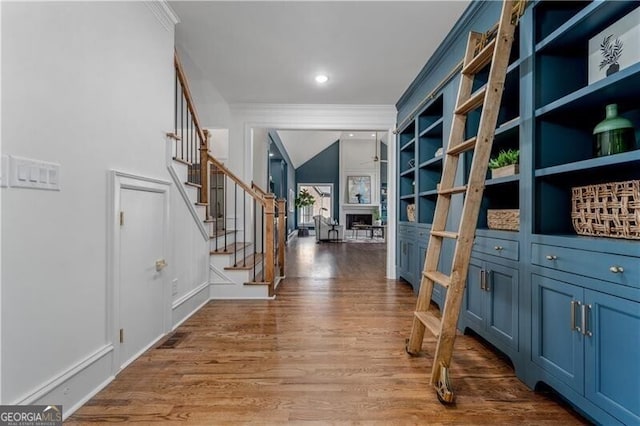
328 350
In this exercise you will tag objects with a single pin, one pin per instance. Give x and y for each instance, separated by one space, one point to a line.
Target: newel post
269 255
204 171
282 234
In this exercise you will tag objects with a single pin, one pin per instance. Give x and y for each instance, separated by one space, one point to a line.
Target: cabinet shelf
591 164
582 25
408 173
433 129
502 180
621 87
409 145
431 193
408 197
434 163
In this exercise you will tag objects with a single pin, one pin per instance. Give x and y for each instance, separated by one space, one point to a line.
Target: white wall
90 86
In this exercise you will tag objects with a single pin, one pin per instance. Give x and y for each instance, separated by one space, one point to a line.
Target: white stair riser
231 238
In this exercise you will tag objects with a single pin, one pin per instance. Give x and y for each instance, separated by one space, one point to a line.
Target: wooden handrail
258 189
236 179
187 95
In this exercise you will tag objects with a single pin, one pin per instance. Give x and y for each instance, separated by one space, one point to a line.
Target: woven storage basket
505 219
607 210
411 212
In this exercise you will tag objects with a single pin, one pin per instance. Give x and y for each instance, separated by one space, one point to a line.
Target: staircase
245 225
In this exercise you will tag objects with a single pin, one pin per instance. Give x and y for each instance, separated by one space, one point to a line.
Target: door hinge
121 218
122 335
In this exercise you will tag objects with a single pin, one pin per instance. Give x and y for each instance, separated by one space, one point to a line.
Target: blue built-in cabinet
564 308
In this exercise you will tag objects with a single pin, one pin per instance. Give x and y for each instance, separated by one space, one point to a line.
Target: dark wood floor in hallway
328 350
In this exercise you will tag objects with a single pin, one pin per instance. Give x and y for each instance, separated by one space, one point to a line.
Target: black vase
613 68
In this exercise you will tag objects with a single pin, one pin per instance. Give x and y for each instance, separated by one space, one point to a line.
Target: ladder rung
430 321
481 59
467 145
445 234
454 190
438 277
473 102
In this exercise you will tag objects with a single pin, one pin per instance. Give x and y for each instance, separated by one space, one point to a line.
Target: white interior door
141 285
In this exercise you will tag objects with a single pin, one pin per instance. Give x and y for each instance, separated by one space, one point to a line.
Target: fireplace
361 219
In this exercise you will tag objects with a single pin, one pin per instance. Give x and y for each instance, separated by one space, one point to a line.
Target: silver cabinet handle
498 248
585 320
574 304
551 257
487 278
482 283
616 269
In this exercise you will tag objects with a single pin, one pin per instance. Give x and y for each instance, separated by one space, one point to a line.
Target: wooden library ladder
493 47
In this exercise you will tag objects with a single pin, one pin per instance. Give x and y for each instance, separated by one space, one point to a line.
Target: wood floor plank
328 350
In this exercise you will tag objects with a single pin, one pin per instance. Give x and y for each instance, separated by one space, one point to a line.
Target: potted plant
505 164
303 201
377 217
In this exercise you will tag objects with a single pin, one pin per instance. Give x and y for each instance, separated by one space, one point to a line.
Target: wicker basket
505 219
607 210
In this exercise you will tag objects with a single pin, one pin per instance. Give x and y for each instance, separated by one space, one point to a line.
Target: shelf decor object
614 134
504 219
615 48
607 210
505 164
411 212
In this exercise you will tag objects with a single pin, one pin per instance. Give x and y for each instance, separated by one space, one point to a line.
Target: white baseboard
189 304
75 386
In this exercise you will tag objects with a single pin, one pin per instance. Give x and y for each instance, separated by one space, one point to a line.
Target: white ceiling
270 51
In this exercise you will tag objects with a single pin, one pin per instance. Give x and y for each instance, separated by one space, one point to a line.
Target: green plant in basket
505 158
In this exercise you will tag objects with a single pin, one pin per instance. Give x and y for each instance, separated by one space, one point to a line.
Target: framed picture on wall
359 189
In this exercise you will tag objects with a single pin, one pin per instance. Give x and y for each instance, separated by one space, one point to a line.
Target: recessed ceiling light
350 135
321 78
373 134
271 154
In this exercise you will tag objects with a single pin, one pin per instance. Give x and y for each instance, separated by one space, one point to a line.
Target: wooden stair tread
430 321
195 185
454 190
467 145
438 277
201 204
445 234
474 101
481 59
174 136
247 263
221 233
181 161
230 249
257 283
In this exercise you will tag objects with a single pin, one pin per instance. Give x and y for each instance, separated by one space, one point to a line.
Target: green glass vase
614 134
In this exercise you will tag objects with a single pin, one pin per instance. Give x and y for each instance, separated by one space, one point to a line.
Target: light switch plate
34 174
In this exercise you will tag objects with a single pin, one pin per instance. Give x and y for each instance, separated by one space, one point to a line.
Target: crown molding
163 13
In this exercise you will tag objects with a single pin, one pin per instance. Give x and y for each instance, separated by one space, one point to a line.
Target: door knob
160 264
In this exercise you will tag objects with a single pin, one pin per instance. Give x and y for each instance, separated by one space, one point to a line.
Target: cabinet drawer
506 249
624 270
406 231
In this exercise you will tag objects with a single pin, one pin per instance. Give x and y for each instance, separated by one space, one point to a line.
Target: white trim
118 181
68 411
189 295
220 274
163 13
66 375
200 306
188 202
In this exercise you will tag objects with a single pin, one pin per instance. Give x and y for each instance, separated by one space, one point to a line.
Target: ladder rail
489 98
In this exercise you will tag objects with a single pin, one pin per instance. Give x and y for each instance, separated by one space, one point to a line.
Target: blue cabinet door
406 261
473 303
555 346
501 306
613 355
